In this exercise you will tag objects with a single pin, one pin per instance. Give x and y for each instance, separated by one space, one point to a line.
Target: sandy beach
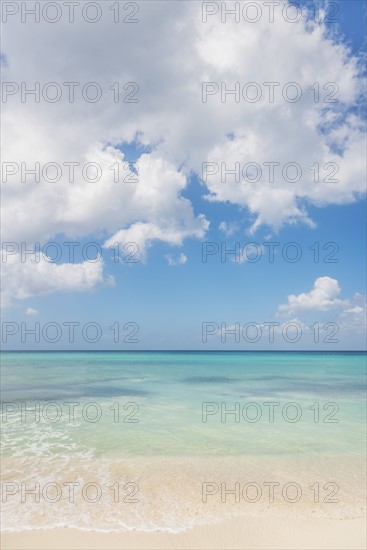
279 485
237 533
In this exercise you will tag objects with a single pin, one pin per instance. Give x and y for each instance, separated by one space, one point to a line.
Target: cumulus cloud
172 120
179 132
140 236
350 315
354 316
23 280
322 297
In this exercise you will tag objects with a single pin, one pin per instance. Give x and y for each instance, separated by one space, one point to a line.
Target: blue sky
169 302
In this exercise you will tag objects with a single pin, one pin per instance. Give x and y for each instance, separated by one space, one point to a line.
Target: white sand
237 533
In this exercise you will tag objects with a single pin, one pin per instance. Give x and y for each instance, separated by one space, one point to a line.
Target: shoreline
240 533
174 496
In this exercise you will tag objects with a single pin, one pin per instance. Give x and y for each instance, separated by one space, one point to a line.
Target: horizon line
181 351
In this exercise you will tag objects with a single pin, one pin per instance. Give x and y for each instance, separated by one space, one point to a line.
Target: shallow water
165 421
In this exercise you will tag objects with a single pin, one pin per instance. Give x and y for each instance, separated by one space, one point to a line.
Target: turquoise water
153 403
161 423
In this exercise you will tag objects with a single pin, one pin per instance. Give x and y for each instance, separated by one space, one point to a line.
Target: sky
205 170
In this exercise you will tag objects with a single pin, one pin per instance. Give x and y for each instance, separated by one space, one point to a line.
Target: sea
118 441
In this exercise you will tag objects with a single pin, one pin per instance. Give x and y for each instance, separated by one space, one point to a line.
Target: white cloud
142 235
354 317
350 318
23 280
31 311
322 297
172 120
179 130
180 260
